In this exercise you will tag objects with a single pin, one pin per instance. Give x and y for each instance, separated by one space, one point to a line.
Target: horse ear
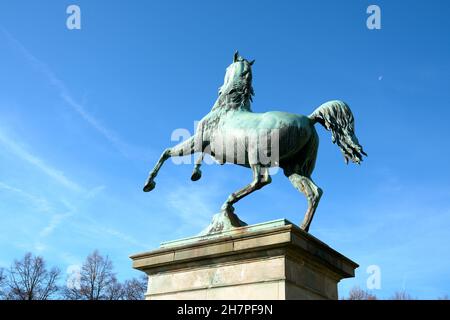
252 62
236 56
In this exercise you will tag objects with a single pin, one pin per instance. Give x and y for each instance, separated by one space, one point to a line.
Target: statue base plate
272 260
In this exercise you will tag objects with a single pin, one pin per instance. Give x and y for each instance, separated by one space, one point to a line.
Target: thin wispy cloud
123 237
91 228
65 95
39 239
54 222
95 192
192 206
39 203
38 163
386 230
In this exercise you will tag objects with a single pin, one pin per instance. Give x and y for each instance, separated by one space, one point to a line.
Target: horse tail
336 116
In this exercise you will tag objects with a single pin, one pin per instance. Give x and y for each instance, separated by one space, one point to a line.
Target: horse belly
291 140
293 131
230 147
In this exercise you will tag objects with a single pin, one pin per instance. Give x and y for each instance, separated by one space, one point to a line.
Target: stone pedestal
273 260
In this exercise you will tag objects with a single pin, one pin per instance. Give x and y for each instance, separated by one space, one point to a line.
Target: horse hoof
196 175
304 228
227 209
149 186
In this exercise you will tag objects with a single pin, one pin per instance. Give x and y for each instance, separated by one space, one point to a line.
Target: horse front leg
197 173
184 148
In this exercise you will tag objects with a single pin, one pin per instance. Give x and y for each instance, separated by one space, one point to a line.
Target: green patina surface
227 233
231 132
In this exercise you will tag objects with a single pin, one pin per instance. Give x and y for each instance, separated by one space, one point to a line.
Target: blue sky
84 114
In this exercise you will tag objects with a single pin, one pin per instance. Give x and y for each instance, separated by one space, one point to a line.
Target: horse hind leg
226 218
313 194
261 178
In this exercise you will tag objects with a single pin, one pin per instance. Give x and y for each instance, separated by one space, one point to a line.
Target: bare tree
115 290
29 279
97 280
2 284
401 295
356 293
135 288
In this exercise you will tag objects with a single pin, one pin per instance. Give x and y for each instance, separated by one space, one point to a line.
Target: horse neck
224 104
219 111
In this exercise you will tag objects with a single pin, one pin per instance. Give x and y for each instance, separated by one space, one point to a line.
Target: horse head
238 77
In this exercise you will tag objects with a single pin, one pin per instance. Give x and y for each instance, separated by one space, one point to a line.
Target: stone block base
273 260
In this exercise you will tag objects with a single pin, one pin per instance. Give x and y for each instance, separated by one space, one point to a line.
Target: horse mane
239 97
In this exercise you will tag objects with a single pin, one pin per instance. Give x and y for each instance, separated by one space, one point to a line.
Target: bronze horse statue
232 133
